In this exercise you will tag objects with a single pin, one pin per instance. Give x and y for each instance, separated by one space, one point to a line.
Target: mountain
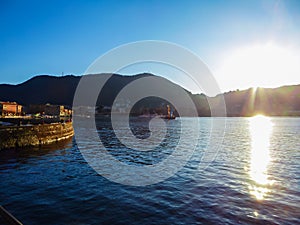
281 101
43 89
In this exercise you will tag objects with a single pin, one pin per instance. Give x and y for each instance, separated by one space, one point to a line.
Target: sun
259 65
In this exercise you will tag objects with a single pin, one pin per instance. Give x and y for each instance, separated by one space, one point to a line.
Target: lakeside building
50 110
10 109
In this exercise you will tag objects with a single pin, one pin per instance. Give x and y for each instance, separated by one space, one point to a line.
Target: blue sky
51 37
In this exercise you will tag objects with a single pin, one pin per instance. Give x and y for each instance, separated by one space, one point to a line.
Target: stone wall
31 135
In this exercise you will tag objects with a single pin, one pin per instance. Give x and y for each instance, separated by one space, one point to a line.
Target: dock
34 135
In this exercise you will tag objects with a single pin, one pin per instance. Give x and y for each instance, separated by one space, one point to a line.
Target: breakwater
34 135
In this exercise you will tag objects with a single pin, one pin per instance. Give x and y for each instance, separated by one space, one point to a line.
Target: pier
34 135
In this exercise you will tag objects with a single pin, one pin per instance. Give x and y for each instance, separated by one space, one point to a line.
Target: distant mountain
282 101
41 90
45 89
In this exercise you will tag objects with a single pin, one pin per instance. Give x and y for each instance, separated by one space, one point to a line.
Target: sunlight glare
260 130
259 65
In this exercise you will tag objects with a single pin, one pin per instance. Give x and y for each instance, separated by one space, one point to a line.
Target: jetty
33 125
18 136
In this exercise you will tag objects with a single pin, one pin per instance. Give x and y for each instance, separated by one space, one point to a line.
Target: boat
170 115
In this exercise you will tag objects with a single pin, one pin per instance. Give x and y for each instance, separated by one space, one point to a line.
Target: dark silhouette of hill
60 90
41 90
45 89
282 101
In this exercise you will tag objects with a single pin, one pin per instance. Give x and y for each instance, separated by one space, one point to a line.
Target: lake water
254 179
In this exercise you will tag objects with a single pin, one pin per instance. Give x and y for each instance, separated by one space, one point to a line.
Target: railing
8 218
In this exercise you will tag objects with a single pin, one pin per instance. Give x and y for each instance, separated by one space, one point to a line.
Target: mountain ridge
43 89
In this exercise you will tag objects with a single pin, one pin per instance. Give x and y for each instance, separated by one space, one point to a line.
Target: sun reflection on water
260 130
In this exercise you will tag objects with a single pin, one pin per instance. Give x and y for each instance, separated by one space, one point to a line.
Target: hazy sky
245 43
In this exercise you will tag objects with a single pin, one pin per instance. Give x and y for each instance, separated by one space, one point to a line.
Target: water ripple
57 186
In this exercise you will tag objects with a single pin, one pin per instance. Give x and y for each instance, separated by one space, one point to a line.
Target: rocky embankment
34 135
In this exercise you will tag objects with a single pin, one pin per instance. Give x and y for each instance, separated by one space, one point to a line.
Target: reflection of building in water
10 109
260 130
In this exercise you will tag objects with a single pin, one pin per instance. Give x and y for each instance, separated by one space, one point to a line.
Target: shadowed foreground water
255 178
